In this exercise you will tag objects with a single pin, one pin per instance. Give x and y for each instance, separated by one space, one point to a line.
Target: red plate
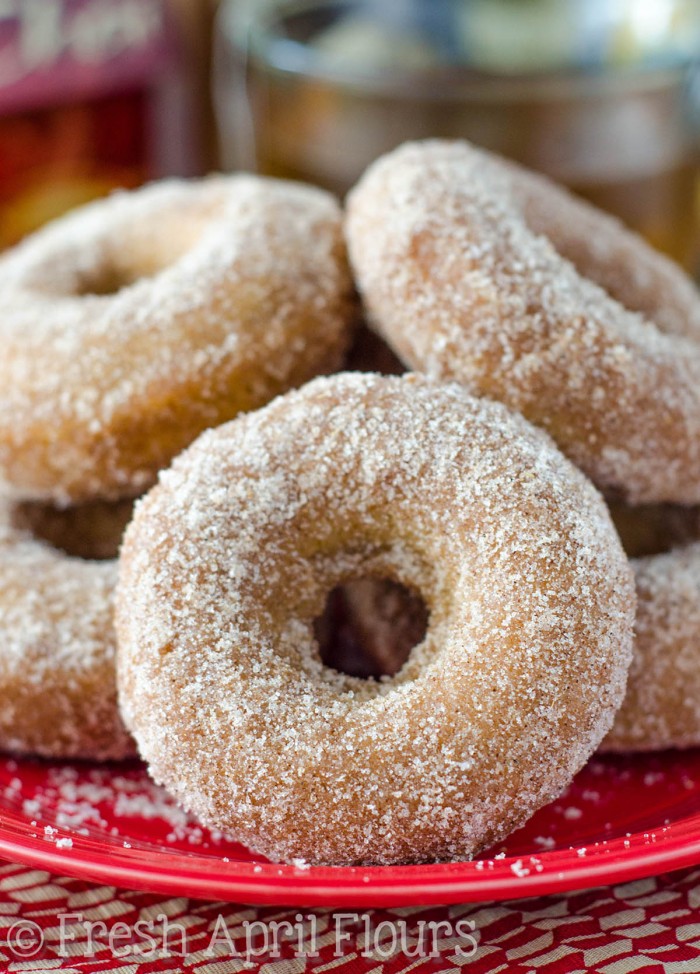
622 818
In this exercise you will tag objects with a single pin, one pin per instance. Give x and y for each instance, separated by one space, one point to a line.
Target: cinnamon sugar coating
478 271
229 560
57 643
661 708
132 324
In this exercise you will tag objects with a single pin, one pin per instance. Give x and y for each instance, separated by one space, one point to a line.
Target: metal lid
362 40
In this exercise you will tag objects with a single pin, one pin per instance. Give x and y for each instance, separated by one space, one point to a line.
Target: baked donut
57 644
661 708
230 557
134 323
478 271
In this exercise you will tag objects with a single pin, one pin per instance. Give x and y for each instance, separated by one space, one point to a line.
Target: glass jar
602 95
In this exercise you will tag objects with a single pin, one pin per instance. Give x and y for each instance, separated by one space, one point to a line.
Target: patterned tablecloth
50 923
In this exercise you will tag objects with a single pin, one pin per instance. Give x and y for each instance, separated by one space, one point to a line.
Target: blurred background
603 95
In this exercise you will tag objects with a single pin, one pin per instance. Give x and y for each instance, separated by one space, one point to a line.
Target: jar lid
364 39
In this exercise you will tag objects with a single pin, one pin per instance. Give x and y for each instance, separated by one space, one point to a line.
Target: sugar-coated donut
229 560
661 708
477 271
57 643
136 322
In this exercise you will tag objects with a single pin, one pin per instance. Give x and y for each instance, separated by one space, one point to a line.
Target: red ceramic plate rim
208 877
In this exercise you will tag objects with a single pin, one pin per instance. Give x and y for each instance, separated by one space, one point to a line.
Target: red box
93 95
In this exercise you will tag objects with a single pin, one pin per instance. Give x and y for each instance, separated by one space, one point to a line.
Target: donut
57 642
229 560
661 708
477 271
136 322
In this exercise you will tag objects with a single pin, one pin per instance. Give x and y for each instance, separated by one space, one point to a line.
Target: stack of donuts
507 519
127 329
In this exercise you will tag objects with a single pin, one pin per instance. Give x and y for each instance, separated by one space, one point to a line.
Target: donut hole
144 252
138 262
106 280
91 532
369 626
